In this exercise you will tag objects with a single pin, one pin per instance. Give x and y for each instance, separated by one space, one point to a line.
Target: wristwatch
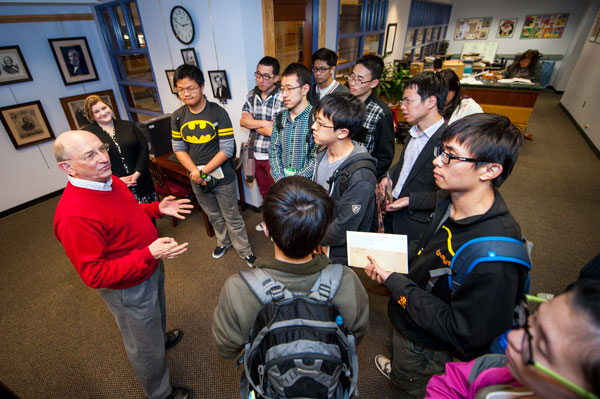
205 176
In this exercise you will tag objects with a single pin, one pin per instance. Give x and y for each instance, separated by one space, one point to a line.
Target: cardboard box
457 66
416 67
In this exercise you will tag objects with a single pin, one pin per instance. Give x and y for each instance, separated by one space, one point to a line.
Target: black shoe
173 337
220 251
181 393
250 259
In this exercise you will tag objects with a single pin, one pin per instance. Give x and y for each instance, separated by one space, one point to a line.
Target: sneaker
260 227
384 365
220 251
250 259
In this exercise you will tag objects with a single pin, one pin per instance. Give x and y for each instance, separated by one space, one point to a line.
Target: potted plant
391 83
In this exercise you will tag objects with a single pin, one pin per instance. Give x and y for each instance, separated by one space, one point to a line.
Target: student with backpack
431 325
344 168
297 213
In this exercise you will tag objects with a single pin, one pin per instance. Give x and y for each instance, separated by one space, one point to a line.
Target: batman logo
198 126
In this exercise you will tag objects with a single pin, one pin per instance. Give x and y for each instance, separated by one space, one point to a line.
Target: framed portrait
170 73
13 68
26 124
390 38
472 28
595 32
189 56
73 107
544 26
506 27
219 84
74 60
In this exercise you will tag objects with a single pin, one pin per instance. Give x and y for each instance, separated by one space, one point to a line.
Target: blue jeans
140 312
221 207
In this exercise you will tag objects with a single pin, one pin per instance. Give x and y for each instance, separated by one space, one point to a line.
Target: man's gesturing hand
166 248
171 206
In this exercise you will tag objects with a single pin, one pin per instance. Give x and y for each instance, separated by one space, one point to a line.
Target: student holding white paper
432 327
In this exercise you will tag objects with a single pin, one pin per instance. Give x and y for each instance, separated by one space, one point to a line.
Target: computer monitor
158 133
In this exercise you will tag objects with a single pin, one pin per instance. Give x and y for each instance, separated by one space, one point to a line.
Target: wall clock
182 25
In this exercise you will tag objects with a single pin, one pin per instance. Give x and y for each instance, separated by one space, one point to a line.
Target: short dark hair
430 84
346 111
373 63
190 72
324 54
453 83
302 73
586 299
297 212
272 62
490 137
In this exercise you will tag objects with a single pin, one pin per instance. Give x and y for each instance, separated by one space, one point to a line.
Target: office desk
512 100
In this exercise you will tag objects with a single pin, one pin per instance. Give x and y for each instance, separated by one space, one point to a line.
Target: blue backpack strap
327 284
486 249
264 286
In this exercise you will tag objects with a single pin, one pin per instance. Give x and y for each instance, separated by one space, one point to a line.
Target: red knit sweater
106 235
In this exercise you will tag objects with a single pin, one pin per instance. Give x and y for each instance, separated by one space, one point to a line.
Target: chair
165 186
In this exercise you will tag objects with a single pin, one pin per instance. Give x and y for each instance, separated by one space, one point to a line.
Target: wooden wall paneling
268 21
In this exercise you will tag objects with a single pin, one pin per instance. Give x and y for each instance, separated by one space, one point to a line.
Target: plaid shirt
373 116
294 147
264 110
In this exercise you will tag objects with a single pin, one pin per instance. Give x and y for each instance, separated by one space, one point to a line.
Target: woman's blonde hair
90 101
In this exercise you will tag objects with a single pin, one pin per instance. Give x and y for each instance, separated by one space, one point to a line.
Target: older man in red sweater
111 241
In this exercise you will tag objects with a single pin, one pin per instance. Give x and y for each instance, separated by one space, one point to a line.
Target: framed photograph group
170 73
26 124
74 60
390 38
73 107
13 68
189 56
595 33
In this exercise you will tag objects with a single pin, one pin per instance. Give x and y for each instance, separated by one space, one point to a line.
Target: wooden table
176 171
512 100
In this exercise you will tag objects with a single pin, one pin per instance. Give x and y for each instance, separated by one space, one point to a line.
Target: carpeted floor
59 339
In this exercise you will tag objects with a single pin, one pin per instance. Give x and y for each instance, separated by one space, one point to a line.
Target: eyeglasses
188 90
408 101
353 78
288 89
263 76
320 70
446 158
92 155
527 356
320 125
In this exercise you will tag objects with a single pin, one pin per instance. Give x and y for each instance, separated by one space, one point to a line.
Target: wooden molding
322 23
11 19
268 20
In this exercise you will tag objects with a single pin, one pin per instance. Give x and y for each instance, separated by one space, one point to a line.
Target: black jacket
354 209
465 322
421 189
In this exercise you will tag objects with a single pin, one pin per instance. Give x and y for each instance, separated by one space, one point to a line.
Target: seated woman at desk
527 67
456 106
128 148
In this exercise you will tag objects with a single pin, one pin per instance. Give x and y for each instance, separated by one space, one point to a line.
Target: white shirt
413 150
91 185
327 90
467 106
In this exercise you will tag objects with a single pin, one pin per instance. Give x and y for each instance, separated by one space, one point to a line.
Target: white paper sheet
389 250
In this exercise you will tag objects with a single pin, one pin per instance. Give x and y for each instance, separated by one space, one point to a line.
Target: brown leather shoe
172 338
181 393
377 289
528 136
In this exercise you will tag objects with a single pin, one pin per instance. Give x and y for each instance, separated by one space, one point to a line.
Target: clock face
182 25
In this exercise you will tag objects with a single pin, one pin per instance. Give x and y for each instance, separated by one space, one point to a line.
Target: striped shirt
294 146
264 110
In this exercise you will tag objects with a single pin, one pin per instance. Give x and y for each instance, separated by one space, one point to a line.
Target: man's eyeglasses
288 89
353 78
263 76
320 70
188 90
92 155
320 125
446 158
408 101
527 356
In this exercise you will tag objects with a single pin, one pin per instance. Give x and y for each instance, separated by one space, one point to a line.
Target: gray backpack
299 346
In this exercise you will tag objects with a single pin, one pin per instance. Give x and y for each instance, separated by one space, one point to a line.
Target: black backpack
299 346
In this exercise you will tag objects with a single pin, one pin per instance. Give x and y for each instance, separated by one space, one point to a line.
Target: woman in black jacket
128 148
